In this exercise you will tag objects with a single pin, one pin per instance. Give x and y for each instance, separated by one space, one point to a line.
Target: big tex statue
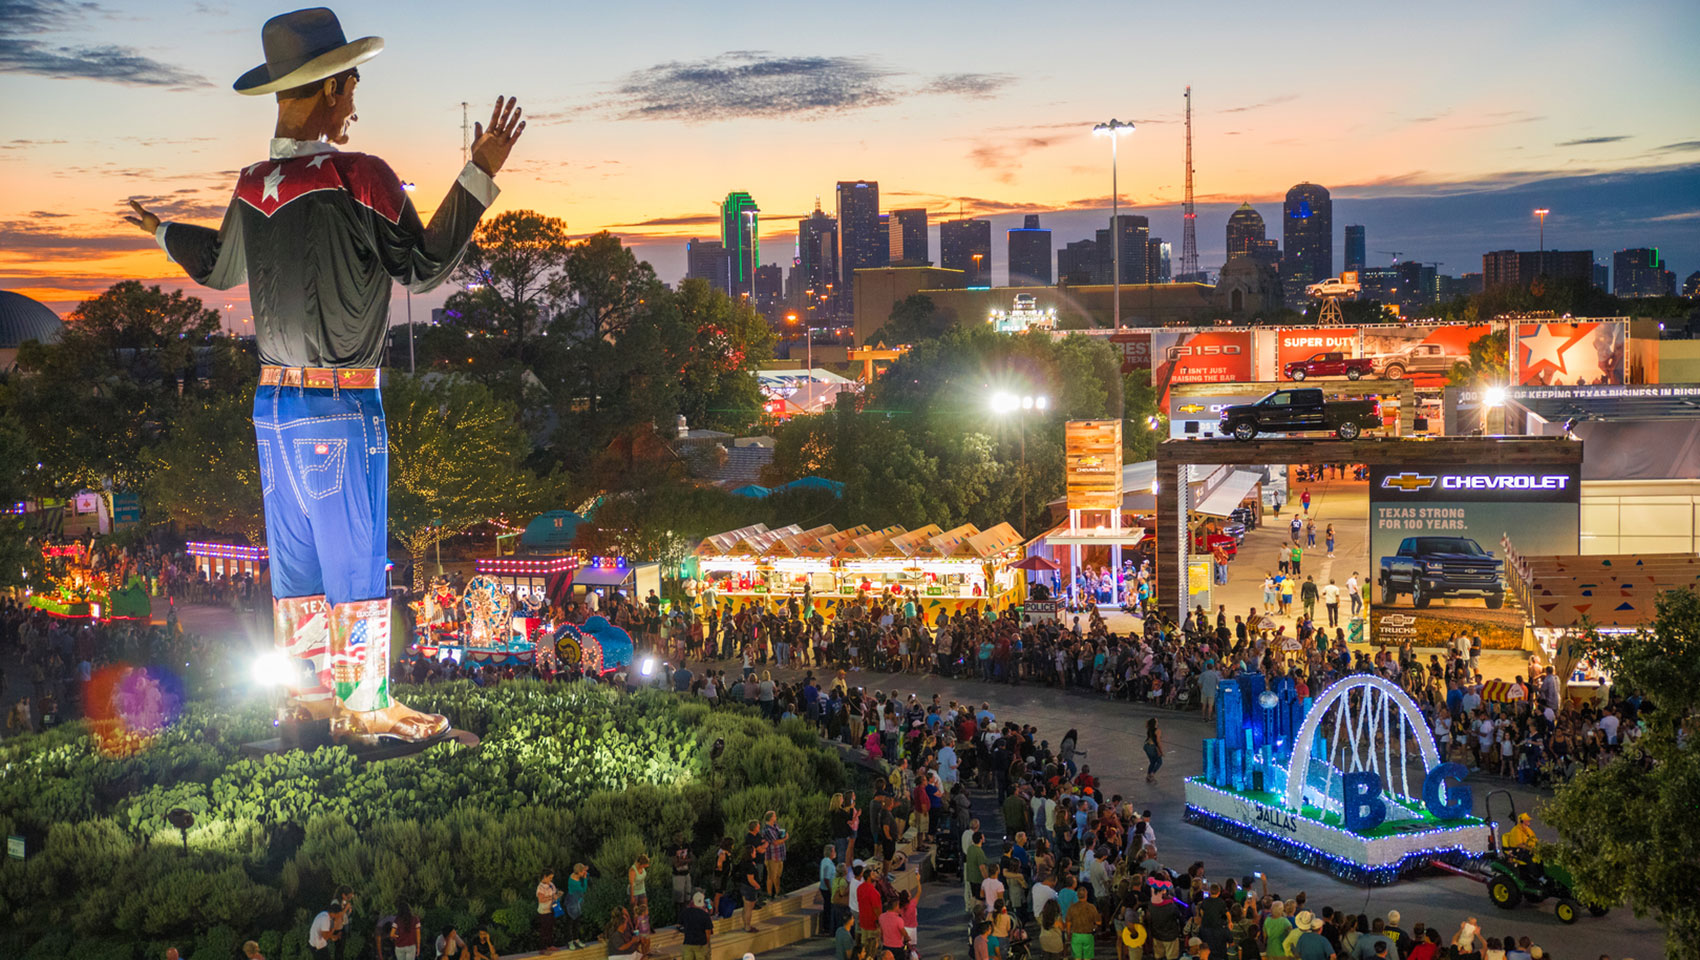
318 234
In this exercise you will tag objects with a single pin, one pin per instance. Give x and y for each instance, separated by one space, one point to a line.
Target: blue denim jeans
324 474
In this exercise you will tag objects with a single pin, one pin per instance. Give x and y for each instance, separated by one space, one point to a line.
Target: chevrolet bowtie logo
1408 481
1192 408
1091 461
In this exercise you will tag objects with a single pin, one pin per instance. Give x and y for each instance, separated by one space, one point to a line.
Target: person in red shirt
1429 949
893 936
869 906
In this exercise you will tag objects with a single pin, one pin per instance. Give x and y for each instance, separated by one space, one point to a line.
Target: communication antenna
1189 234
465 131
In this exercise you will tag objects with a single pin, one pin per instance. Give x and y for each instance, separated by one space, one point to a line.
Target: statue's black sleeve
212 258
422 256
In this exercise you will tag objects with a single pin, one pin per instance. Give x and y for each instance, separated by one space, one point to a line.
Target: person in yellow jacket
1520 841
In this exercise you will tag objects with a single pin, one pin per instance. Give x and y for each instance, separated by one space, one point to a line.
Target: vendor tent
551 532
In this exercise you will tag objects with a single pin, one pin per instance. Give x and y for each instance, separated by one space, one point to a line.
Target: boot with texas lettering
301 632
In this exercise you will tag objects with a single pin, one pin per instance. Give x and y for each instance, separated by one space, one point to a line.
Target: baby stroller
1018 947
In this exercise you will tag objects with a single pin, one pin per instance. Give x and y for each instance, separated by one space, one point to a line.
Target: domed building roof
24 319
1246 214
1307 190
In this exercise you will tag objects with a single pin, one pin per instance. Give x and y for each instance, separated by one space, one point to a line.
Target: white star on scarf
321 158
272 180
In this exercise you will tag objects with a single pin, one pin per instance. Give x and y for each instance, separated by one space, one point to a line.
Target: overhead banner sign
1092 452
1579 353
1211 356
1423 353
1293 344
1435 546
1135 349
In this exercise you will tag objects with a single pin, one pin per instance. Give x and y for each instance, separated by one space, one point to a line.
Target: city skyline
655 122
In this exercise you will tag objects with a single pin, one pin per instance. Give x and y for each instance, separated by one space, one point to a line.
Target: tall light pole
1115 130
410 370
1020 406
1541 258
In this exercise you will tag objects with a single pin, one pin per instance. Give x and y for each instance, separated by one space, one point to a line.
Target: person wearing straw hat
318 235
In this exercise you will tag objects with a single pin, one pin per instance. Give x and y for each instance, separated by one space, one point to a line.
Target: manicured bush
564 773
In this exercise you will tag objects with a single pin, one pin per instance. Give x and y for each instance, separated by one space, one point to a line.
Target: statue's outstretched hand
490 145
143 218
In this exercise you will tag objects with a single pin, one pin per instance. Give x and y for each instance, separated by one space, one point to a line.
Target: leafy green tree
1630 831
1489 362
515 271
17 470
913 319
456 461
616 328
1144 424
206 473
724 341
111 386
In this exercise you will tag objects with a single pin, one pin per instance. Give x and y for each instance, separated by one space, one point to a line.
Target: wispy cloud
1682 217
1681 146
1272 101
968 84
744 84
1590 141
25 23
189 203
752 84
62 245
1005 155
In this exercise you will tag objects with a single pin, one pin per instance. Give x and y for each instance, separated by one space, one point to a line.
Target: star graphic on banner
321 158
272 180
253 167
1546 346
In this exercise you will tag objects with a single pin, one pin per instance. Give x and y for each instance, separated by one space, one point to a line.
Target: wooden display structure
1092 452
1174 457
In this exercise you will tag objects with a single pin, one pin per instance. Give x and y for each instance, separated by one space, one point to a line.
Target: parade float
1349 782
76 588
823 568
504 616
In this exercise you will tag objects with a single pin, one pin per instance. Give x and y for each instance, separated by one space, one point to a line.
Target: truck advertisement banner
1566 354
1293 344
1436 559
1195 416
1211 356
1423 353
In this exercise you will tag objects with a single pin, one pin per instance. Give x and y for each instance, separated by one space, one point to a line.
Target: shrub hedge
564 773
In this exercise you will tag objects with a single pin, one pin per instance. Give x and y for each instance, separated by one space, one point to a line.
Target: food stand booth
824 568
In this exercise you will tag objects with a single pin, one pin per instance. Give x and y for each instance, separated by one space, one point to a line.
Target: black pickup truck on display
1295 411
1429 568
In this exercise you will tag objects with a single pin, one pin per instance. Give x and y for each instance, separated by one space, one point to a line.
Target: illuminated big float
1349 782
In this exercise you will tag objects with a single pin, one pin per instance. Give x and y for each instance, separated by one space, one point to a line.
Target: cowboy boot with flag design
360 669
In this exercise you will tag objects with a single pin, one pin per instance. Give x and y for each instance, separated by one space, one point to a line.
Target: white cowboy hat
304 46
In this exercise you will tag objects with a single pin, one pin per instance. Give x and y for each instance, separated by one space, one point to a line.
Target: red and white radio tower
1189 232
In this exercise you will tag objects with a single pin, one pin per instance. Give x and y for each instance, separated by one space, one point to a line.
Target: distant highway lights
1115 130
1004 403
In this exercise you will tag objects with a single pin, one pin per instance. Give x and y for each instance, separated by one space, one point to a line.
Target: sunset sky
1439 126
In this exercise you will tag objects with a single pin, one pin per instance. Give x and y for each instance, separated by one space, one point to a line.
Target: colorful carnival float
823 568
77 588
1349 782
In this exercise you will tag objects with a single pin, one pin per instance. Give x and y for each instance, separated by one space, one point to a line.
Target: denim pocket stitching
337 455
268 474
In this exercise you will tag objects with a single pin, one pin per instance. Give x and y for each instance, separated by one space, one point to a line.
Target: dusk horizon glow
1439 134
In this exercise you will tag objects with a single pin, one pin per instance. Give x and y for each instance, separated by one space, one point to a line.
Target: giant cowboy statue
318 234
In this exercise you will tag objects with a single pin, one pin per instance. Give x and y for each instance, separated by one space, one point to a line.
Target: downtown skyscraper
815 273
1029 254
740 232
966 245
1307 235
907 233
861 242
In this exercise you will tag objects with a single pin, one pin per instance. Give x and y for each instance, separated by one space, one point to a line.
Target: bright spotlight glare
648 666
1026 403
1041 401
270 669
1494 396
1004 402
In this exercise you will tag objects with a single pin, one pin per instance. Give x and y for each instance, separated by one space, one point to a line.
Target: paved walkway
1111 732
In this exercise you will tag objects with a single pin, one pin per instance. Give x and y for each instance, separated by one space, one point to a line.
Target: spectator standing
322 932
828 876
698 928
547 895
774 836
407 934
